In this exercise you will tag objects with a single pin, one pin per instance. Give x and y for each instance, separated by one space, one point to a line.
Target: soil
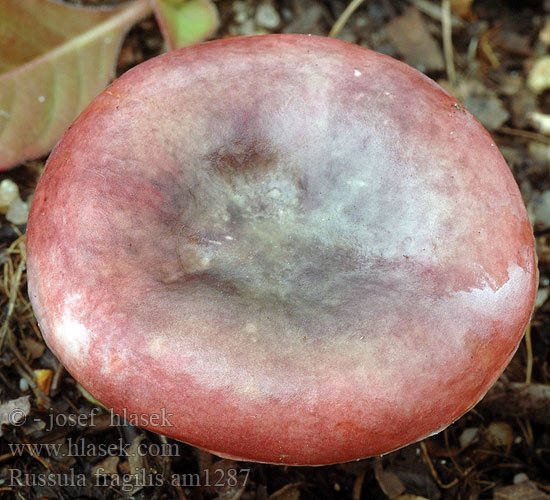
500 449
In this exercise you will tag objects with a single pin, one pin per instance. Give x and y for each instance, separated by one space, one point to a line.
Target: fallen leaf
135 473
409 35
417 478
521 491
14 412
517 399
225 478
54 59
521 103
34 348
107 467
500 434
44 377
137 462
184 22
290 491
462 8
488 109
481 101
388 481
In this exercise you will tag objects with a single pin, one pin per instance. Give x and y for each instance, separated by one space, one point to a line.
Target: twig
6 457
529 347
524 134
515 399
447 446
434 11
167 468
527 431
58 373
25 371
485 46
358 485
428 460
448 40
343 19
14 288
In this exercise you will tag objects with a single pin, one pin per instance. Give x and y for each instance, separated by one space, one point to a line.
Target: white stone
541 210
540 121
9 192
521 478
267 16
469 436
539 76
542 297
18 212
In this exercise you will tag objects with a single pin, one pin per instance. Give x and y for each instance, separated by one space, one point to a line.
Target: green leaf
54 59
185 22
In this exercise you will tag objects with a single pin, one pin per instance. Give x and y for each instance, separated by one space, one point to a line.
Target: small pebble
521 477
488 109
539 151
240 9
241 17
239 6
18 212
9 192
267 16
248 28
469 436
361 22
540 206
347 35
500 434
539 76
540 121
23 385
542 297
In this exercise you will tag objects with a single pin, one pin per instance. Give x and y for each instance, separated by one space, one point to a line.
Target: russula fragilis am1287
301 250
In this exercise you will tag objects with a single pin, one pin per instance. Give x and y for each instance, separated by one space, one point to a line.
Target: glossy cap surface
302 251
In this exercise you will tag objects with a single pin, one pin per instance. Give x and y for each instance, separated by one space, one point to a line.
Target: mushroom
292 248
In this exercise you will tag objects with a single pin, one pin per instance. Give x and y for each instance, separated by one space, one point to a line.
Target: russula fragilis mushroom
299 250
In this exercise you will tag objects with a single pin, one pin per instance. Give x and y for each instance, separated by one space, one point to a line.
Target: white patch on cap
157 347
485 298
74 337
251 328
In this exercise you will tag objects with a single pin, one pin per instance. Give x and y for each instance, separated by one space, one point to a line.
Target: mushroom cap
297 250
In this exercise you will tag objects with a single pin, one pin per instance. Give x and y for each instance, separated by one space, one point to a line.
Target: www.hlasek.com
83 448
128 482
